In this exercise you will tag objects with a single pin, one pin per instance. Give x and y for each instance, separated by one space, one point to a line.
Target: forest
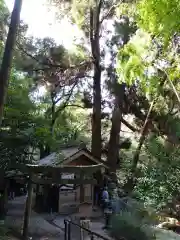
117 91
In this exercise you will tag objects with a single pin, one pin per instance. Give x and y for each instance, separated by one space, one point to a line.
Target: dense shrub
127 225
3 232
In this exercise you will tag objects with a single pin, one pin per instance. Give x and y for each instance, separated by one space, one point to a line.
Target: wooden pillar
27 211
75 195
92 194
6 194
59 198
81 188
81 193
36 197
4 200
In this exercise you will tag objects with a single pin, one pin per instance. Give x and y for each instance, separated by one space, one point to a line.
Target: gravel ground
166 235
39 228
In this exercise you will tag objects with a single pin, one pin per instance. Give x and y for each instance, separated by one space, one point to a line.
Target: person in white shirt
105 195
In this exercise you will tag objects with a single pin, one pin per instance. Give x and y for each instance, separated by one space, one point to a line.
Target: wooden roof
59 169
57 163
65 156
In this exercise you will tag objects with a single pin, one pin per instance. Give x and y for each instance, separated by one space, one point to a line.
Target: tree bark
113 148
44 150
95 48
129 186
141 140
119 92
130 183
96 116
8 52
53 112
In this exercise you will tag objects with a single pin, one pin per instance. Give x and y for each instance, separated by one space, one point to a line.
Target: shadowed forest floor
38 227
43 229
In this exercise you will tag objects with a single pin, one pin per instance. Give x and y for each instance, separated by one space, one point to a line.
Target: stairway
74 230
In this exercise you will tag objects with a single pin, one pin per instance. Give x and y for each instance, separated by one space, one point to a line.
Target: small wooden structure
82 164
52 197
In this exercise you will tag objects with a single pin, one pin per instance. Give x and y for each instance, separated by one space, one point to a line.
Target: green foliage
128 225
4 14
27 122
17 122
160 17
26 126
144 213
3 232
159 178
153 46
135 63
77 10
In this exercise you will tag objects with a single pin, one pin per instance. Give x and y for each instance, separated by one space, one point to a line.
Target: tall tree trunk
129 186
95 48
130 183
141 140
6 62
53 112
7 57
96 116
45 150
113 148
119 91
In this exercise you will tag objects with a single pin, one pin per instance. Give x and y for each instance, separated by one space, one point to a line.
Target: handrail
66 221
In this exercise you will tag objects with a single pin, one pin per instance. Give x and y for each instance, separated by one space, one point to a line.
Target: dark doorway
53 199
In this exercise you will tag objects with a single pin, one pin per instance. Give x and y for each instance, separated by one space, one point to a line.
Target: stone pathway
39 228
44 226
166 235
95 226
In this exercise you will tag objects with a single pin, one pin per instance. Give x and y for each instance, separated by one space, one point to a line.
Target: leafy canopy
135 62
159 17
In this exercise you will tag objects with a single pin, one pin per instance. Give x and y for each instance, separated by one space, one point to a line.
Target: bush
145 215
3 232
127 225
133 222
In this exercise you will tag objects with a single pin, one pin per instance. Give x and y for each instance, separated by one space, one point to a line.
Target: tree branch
75 105
49 65
129 125
67 100
111 10
96 35
91 27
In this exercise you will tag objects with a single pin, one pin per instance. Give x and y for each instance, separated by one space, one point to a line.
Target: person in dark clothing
107 207
96 195
107 214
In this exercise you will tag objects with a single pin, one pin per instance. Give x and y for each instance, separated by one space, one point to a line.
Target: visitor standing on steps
107 208
105 194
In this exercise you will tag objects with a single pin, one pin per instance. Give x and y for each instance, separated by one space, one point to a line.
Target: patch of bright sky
43 22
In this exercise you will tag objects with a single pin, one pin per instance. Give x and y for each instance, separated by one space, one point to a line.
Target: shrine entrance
73 193
48 175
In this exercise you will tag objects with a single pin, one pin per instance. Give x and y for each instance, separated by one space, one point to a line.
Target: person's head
105 188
